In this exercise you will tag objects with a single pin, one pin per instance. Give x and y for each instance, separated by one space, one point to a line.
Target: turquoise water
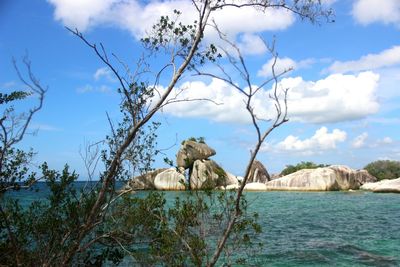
329 228
321 229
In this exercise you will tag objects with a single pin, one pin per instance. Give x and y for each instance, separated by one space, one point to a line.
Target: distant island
194 170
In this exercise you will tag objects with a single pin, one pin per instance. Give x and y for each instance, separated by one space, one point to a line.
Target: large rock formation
363 177
330 178
255 187
231 179
351 179
207 174
169 179
191 151
384 186
258 173
321 179
145 181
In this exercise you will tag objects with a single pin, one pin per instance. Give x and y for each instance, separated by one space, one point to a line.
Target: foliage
14 162
384 169
43 232
181 232
15 95
98 223
302 165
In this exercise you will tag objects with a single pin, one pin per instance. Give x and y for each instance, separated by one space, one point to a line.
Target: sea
344 228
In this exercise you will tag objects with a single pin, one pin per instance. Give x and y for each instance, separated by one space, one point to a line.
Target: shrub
302 165
384 169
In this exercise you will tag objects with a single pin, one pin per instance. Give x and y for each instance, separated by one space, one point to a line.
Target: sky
343 98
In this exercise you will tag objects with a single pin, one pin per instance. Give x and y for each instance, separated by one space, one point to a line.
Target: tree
384 169
14 162
94 214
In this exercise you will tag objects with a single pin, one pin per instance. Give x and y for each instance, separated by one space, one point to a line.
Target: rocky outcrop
384 186
351 179
255 187
191 151
232 179
332 178
321 179
145 181
363 177
231 187
258 173
169 179
275 176
207 174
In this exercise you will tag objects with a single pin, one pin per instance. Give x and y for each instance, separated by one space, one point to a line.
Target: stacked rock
204 173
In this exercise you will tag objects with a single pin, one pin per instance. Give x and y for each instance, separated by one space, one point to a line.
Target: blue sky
343 93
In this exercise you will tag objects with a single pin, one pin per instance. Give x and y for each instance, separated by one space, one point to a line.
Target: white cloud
81 14
333 99
43 127
359 141
321 140
228 105
336 98
138 17
283 64
387 58
386 140
103 73
370 11
251 44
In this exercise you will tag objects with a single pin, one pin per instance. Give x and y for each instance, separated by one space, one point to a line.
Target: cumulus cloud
251 44
321 140
333 99
283 64
138 17
359 141
81 14
227 103
371 11
336 98
387 58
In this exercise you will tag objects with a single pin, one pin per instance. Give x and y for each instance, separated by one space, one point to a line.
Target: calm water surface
321 229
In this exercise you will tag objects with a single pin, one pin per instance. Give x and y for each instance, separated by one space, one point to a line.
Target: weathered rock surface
231 187
321 179
351 179
191 151
258 173
207 174
384 186
275 176
231 179
330 178
363 177
145 181
169 179
255 187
